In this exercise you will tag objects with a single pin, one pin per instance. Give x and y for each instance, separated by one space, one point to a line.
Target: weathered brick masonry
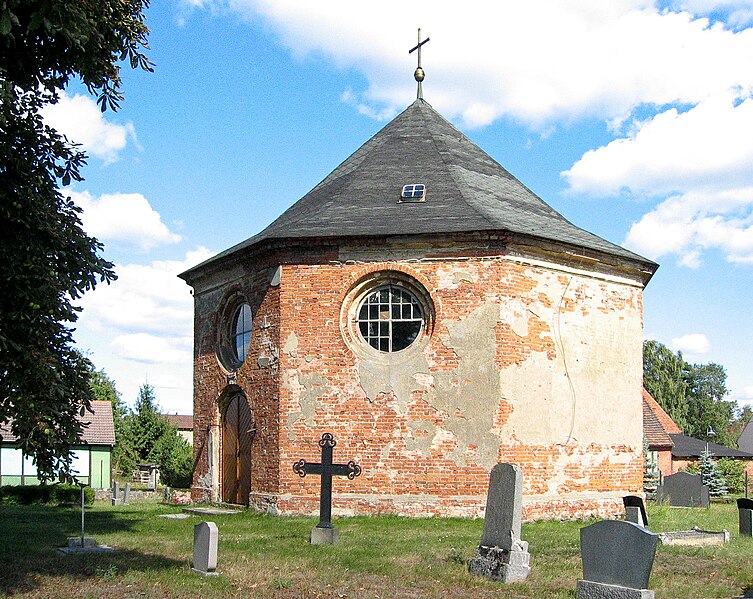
523 361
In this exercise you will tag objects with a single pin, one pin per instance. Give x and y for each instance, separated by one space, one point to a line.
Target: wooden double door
237 434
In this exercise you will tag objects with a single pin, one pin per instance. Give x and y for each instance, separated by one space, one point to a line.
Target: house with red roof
91 458
672 451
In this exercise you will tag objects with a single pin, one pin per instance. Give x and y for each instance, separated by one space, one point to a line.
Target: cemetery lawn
385 556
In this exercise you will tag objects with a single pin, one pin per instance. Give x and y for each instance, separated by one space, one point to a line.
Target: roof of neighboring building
466 191
745 440
657 425
98 427
690 447
183 422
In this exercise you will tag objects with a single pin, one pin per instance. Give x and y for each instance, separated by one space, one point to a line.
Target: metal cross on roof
419 74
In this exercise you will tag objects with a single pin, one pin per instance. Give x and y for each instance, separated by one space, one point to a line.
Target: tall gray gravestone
502 555
617 560
205 548
683 490
116 493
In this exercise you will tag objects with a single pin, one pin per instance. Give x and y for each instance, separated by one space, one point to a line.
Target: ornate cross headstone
324 533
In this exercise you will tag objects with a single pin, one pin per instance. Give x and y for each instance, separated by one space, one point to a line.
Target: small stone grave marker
683 490
745 513
502 555
115 492
635 511
617 560
205 538
126 493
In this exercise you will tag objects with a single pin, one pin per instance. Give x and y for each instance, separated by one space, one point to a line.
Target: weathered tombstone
115 492
126 493
324 533
635 511
683 490
502 555
745 513
617 560
205 548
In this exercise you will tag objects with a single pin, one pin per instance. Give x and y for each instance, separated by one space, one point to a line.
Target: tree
663 379
711 475
694 395
47 261
146 425
175 458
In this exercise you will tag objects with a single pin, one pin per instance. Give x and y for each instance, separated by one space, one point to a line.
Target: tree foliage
694 395
47 261
711 476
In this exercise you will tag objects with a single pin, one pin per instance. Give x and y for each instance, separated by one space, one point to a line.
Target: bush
733 472
44 494
174 456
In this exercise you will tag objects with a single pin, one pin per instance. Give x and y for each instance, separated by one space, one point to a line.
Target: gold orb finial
419 75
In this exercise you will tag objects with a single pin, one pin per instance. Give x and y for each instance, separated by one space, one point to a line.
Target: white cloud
123 217
80 119
143 347
702 148
481 64
146 298
688 224
693 343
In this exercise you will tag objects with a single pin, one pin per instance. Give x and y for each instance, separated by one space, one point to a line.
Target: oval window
390 318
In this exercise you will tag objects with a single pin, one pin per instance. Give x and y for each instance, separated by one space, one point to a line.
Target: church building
436 317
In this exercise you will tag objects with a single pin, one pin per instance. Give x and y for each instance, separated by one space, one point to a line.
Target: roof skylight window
415 192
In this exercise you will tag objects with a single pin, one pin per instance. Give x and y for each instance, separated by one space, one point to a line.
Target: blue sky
632 118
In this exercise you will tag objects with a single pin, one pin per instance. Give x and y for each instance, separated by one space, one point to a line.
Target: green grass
389 557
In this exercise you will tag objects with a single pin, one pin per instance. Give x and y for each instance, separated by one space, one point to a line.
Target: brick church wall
527 361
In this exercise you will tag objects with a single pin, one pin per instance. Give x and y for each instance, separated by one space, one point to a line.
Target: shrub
44 494
174 456
733 472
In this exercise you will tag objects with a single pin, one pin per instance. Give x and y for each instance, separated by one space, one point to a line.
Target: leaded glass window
390 318
240 331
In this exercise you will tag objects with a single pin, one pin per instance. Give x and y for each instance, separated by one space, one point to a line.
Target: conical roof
466 191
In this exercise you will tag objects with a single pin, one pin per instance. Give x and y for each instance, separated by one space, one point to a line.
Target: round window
390 318
240 331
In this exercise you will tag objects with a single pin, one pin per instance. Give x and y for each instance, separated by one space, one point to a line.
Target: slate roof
183 422
99 427
467 191
690 447
745 440
657 424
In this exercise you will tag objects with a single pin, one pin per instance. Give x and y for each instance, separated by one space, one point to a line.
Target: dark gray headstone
683 490
504 504
744 503
618 553
115 492
635 510
205 548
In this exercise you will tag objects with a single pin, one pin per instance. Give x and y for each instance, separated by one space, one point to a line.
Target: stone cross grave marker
324 533
745 513
502 555
205 537
683 490
617 560
635 511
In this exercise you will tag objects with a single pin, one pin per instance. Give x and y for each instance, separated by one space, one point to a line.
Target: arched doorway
237 433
